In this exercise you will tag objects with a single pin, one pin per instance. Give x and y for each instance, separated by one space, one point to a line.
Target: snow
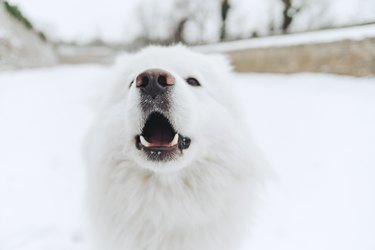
3 34
315 130
44 115
313 37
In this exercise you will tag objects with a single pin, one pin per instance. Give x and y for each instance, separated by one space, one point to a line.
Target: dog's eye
193 82
131 83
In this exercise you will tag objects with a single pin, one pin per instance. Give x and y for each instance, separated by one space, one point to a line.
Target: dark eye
193 82
131 83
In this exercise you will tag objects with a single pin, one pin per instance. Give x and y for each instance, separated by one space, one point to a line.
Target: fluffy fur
199 201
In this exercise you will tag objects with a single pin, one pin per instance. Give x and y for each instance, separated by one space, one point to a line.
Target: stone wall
21 47
347 57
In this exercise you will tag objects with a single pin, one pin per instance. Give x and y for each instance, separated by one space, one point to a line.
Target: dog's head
174 106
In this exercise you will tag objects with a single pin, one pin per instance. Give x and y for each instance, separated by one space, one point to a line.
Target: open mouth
159 140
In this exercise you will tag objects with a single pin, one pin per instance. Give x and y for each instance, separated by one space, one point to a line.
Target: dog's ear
222 61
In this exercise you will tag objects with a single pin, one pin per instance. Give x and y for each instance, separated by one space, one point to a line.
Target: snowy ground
306 38
317 131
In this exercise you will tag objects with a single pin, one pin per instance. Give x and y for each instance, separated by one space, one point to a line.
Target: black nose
154 82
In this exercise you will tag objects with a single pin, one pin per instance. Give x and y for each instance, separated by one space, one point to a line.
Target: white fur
200 201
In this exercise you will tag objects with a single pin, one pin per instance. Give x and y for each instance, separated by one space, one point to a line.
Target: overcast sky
81 19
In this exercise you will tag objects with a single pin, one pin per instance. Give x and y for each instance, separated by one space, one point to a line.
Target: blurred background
304 78
284 36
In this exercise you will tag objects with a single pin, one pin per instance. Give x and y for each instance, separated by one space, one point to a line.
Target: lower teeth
145 143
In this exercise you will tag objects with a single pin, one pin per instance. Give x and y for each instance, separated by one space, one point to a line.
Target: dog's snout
154 82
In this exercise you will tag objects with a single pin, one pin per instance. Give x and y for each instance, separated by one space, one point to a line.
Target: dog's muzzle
159 140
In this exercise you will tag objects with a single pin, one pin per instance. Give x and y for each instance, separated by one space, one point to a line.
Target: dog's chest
149 201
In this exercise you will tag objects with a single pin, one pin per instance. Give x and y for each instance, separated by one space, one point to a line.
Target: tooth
144 142
175 140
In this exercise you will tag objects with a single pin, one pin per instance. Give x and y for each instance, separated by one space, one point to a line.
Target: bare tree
287 15
163 22
225 6
290 10
182 7
181 21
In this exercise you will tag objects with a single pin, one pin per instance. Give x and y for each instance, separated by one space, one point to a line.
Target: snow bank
21 47
314 37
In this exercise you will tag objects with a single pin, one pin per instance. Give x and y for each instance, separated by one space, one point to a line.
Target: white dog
170 164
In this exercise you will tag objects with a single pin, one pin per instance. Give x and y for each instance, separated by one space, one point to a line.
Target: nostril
162 80
144 81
